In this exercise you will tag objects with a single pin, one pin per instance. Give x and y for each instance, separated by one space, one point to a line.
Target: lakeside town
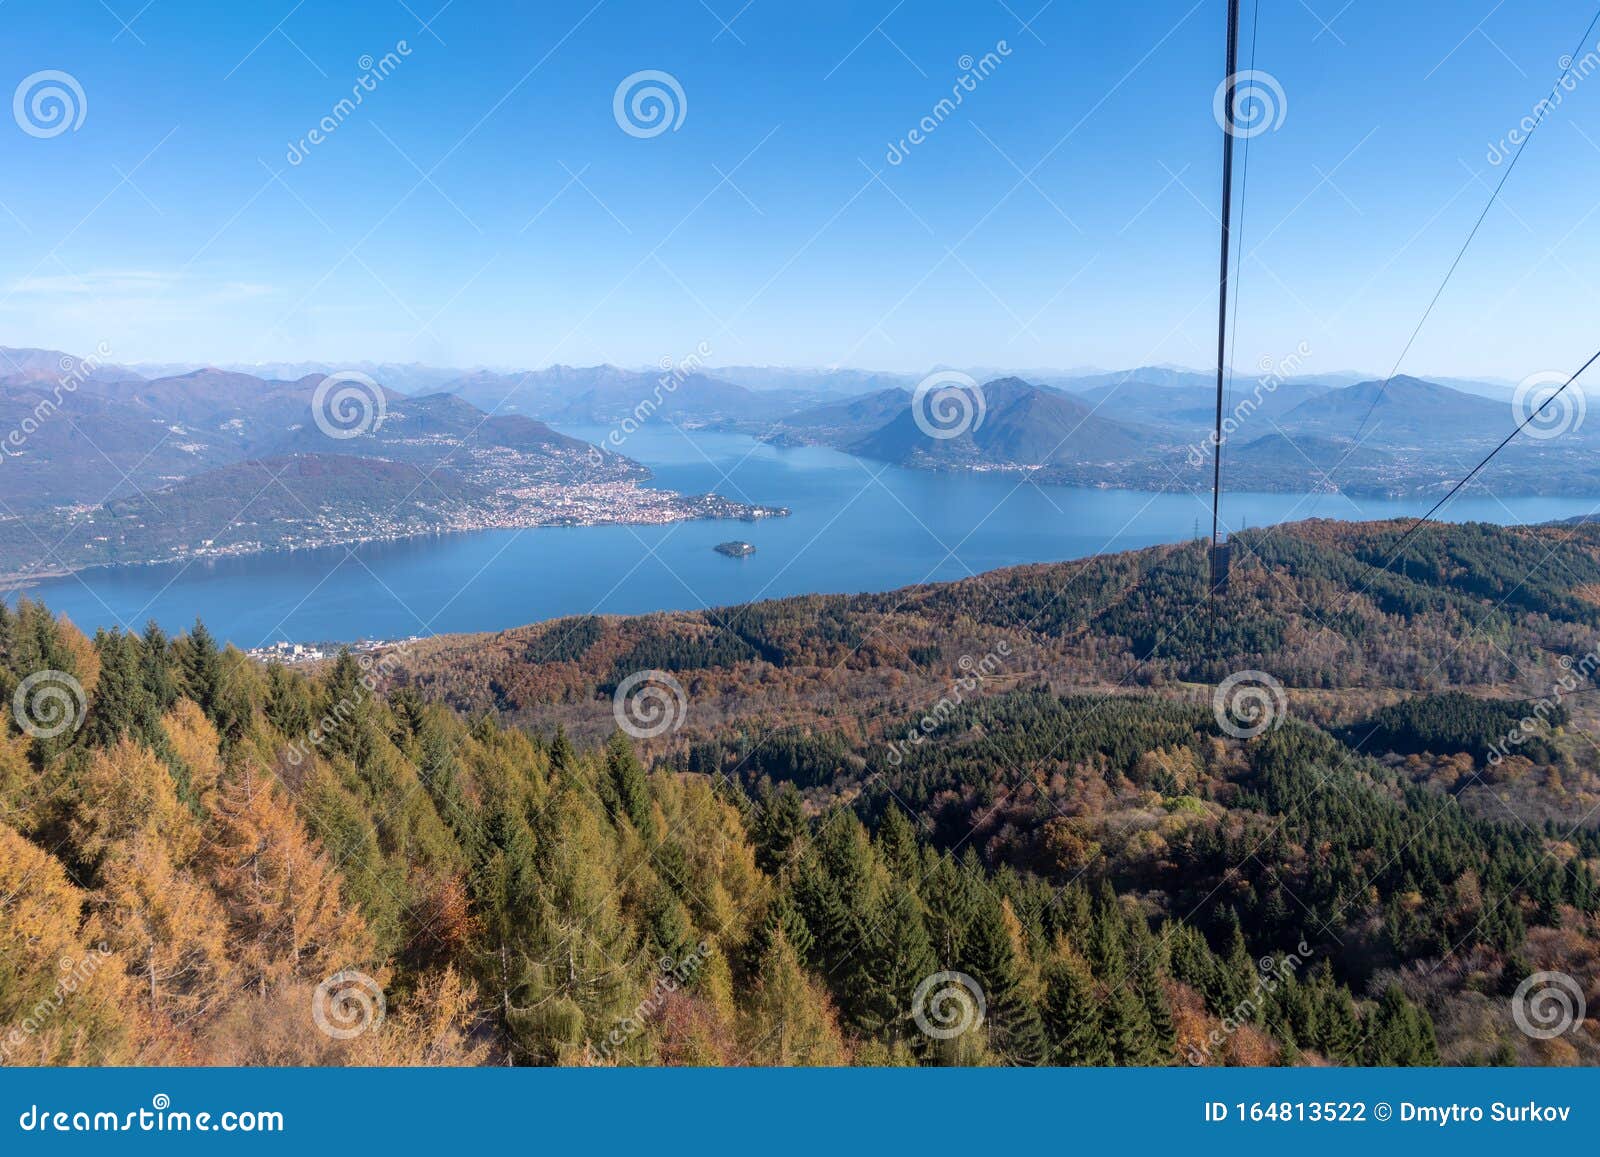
292 654
105 536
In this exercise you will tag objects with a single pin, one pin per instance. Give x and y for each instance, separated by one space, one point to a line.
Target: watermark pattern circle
1548 1004
1548 415
947 404
348 404
48 103
649 102
49 703
1249 103
648 704
948 1004
348 1004
1248 703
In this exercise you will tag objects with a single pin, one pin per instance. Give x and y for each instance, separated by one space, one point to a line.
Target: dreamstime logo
1573 72
1248 703
648 704
1548 1004
74 372
373 73
947 1005
347 1004
348 404
1271 972
673 375
671 975
374 669
1273 374
48 103
969 682
648 103
1249 103
1575 674
973 73
49 703
947 404
1536 402
74 975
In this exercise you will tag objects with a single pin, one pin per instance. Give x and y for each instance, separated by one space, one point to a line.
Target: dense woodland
775 883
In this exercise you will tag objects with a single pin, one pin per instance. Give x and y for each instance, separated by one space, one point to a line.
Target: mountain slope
39 365
1190 408
840 423
433 430
605 395
1009 777
1022 425
1409 411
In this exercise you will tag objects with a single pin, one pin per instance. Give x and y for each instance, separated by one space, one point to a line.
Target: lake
856 526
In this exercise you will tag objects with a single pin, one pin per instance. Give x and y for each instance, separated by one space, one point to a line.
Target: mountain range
1020 424
1415 437
105 468
77 435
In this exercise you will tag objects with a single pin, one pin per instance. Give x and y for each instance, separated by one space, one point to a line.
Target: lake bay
856 526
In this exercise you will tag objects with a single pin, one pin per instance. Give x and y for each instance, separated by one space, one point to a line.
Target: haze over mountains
101 467
82 439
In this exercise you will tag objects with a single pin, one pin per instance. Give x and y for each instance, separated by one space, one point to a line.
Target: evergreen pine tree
897 958
155 665
202 669
1015 1030
628 786
1072 1014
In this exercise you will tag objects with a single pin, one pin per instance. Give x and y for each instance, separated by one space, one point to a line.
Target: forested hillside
995 822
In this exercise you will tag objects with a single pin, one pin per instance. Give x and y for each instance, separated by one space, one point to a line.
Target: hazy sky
482 203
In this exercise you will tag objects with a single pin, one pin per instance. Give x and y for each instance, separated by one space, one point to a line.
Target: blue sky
483 206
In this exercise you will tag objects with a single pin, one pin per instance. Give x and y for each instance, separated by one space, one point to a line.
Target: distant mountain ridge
1148 427
1407 408
1021 425
54 365
108 469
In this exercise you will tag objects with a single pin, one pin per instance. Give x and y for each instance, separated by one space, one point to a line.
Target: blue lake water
856 526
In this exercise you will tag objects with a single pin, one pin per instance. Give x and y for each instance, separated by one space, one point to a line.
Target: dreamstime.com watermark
671 975
347 1004
48 103
973 73
961 689
74 372
1271 971
648 704
1579 673
1548 1004
1273 375
1573 73
348 404
947 1005
49 703
74 975
1249 703
948 404
373 73
673 375
374 667
1547 404
1247 104
648 103
160 1117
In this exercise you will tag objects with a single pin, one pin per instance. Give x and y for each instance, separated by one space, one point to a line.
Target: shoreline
715 509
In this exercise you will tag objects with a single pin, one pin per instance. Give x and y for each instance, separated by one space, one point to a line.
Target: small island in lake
734 549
